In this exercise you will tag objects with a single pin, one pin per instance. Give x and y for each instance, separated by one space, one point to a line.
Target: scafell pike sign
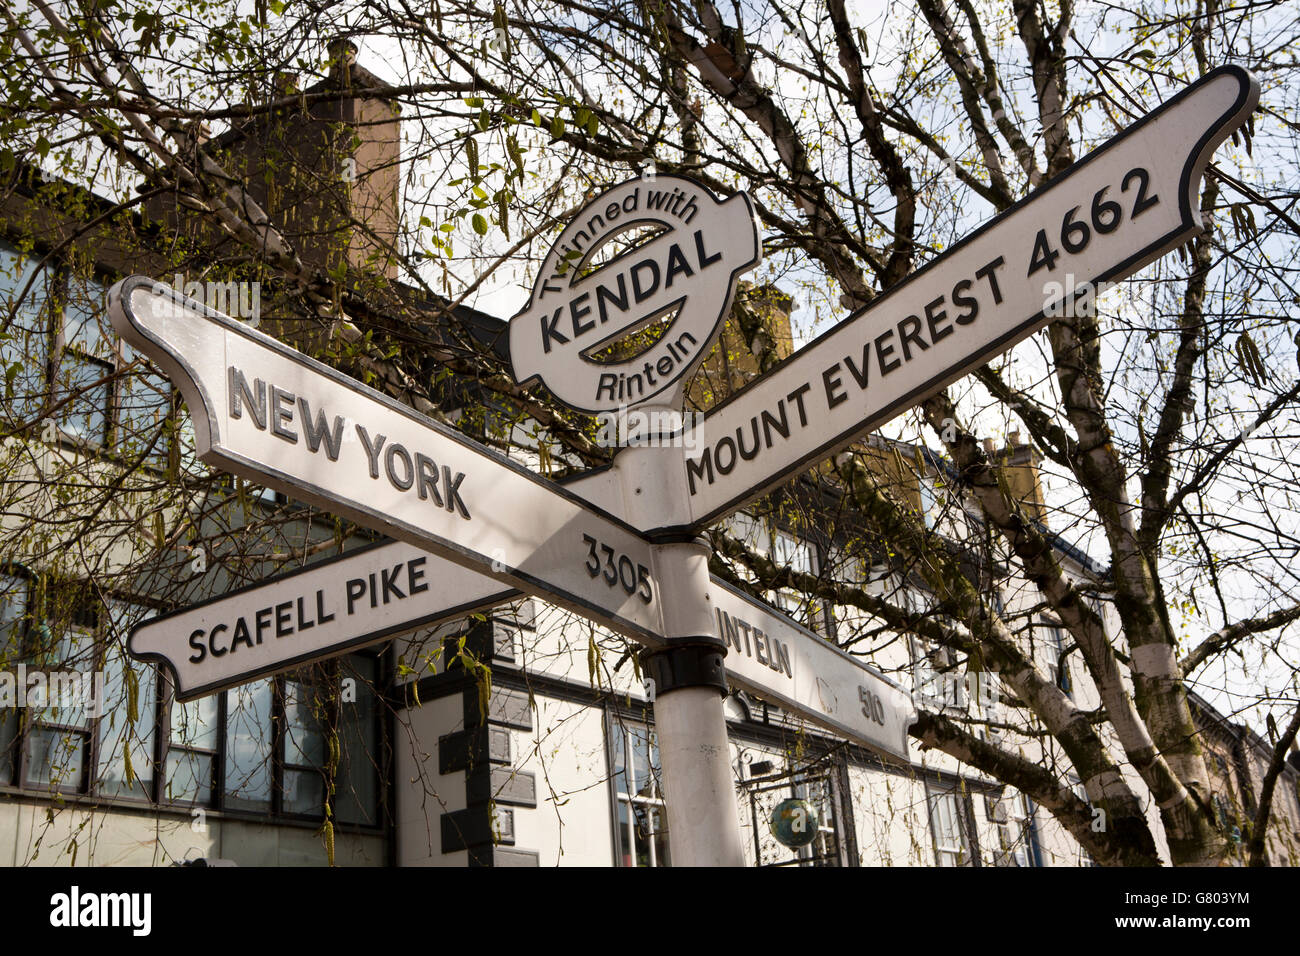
262 409
307 615
392 588
688 268
1113 212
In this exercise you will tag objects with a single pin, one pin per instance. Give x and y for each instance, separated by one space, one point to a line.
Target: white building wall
423 794
566 752
28 837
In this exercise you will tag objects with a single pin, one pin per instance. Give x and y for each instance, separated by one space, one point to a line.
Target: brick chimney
1020 463
324 169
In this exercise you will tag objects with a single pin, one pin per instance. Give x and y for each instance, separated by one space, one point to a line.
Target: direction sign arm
1113 212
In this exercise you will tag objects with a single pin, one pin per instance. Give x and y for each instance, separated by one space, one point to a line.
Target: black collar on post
686 662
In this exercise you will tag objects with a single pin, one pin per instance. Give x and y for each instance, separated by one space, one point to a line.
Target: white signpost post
265 411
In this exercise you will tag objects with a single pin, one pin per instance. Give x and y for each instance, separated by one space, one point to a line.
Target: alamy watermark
933 687
1070 299
76 909
38 689
237 299
650 428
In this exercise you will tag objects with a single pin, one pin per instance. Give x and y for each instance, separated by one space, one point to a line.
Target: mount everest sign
1118 209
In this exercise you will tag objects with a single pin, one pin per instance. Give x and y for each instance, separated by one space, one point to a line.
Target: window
86 719
785 551
799 556
951 827
356 791
13 614
641 837
1054 651
938 678
328 700
56 745
87 360
24 341
194 732
61 350
247 780
1080 791
998 601
262 748
268 742
931 501
126 729
1013 818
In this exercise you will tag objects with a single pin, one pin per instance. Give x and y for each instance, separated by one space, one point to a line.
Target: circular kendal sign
679 283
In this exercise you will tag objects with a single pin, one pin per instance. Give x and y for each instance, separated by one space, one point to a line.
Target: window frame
963 813
622 727
1025 826
163 741
59 278
88 782
1057 650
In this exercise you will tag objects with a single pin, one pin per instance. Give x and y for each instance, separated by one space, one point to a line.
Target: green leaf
557 128
480 224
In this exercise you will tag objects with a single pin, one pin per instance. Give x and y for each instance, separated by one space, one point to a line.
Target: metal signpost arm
1119 208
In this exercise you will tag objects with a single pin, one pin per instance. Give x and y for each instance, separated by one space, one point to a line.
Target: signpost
264 411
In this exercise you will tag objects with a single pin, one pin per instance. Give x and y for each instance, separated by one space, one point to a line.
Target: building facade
521 737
